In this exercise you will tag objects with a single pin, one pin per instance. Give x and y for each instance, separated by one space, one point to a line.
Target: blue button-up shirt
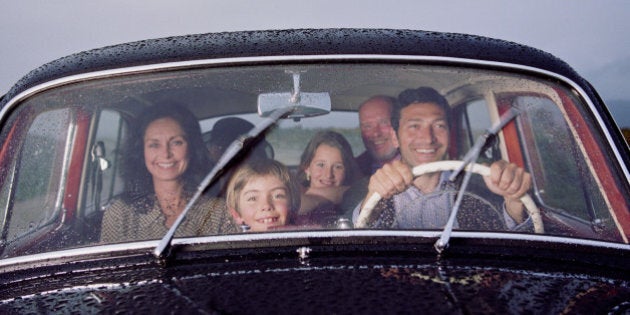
416 210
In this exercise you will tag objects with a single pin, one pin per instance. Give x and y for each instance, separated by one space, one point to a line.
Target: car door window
38 175
565 182
104 177
473 122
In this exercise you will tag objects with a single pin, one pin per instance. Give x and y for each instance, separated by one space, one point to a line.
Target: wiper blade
235 147
471 156
474 152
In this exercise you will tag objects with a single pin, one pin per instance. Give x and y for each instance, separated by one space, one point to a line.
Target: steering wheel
530 206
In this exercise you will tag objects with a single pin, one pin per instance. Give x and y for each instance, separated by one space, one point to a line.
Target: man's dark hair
422 94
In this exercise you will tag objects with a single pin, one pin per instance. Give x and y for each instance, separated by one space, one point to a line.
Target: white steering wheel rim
530 206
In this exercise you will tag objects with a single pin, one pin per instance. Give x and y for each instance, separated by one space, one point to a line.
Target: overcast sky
591 35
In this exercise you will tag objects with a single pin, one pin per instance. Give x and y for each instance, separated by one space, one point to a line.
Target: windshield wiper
471 156
235 147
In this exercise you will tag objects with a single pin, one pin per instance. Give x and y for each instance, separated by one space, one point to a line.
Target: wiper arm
474 152
235 147
471 156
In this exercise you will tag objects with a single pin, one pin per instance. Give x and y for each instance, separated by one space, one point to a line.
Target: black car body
52 260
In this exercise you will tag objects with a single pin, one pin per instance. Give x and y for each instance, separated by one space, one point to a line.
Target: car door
33 187
573 203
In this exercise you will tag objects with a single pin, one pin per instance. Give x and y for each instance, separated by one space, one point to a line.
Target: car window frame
420 60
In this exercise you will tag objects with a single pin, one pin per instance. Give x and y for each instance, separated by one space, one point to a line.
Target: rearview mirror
308 104
304 104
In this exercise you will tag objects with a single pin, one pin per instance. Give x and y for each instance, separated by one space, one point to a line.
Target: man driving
421 120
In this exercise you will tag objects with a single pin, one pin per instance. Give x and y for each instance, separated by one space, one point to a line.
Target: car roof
298 42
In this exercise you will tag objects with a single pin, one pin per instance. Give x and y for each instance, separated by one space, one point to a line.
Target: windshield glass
117 159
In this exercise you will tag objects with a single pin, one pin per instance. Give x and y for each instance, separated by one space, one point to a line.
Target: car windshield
117 156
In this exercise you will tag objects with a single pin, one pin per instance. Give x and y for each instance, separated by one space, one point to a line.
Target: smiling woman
162 179
165 152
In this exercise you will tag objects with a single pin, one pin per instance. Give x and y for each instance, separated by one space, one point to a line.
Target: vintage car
64 130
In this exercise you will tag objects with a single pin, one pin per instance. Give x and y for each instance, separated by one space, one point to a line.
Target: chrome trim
65 165
372 58
397 233
92 250
301 235
4 211
340 57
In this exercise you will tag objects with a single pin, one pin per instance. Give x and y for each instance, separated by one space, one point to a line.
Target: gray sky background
591 35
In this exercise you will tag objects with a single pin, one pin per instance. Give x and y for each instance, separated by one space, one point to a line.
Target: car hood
474 277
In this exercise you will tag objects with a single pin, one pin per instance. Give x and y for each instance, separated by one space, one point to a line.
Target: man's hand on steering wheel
511 182
391 179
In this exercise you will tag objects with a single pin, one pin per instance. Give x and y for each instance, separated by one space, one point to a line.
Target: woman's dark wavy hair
423 94
335 140
138 181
